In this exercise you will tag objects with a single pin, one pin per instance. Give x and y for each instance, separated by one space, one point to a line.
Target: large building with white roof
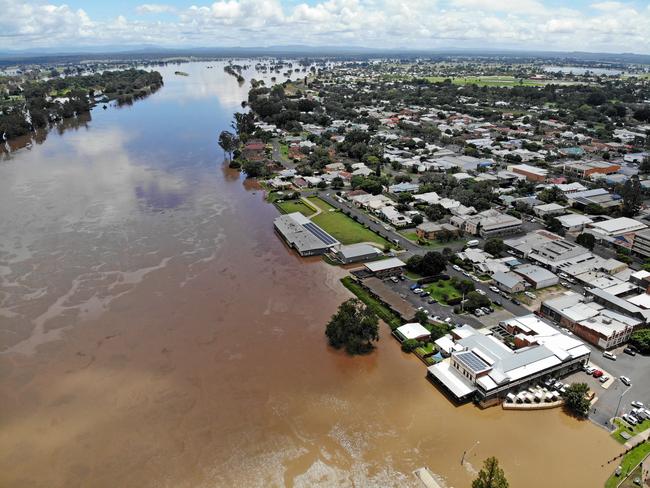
484 369
303 235
590 320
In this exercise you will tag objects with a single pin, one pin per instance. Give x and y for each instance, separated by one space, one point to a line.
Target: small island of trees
354 327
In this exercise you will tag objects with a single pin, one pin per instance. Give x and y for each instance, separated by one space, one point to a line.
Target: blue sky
608 26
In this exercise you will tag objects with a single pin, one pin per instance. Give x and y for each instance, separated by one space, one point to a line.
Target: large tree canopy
353 327
491 475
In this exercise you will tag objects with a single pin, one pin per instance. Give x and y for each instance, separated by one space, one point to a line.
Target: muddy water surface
156 333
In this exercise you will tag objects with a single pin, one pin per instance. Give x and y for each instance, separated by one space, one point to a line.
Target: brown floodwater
156 333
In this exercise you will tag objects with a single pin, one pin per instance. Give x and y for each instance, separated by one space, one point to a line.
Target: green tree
475 300
228 142
431 264
353 327
554 225
337 183
494 246
435 212
586 240
641 340
410 345
421 317
632 197
254 169
417 219
575 399
491 475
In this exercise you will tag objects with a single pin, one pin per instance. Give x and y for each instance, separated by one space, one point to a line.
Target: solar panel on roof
320 233
472 361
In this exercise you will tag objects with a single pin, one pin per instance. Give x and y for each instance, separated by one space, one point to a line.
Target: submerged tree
228 142
353 327
491 475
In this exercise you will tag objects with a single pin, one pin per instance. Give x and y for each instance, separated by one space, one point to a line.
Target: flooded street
154 331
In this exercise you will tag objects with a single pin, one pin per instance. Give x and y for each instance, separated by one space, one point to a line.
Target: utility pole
465 453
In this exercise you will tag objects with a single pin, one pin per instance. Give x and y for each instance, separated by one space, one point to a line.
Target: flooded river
156 333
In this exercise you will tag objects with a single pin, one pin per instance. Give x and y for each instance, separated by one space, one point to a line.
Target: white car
480 292
530 295
637 404
627 381
417 290
475 278
609 355
456 267
494 289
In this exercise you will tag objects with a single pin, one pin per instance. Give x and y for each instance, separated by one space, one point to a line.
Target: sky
569 25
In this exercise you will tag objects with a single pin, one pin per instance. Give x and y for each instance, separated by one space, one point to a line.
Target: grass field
631 459
443 290
290 206
342 227
383 312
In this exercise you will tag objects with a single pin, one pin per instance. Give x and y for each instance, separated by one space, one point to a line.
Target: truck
472 243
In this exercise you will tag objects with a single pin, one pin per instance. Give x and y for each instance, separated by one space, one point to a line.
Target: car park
627 381
609 355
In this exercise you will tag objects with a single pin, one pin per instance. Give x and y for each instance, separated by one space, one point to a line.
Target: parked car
431 300
597 374
394 279
563 275
630 350
401 277
627 381
475 278
603 378
448 320
497 302
629 419
414 286
609 355
494 289
618 471
478 312
565 284
480 292
516 302
636 404
456 267
417 291
486 310
465 273
590 370
530 295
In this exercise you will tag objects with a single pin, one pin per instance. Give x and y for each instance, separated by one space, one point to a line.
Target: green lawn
443 290
346 230
425 350
631 459
622 426
284 150
290 206
383 312
322 204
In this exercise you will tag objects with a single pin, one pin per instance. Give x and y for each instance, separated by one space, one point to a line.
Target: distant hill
150 51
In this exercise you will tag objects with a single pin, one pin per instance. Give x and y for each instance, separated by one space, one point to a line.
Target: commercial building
486 370
597 196
356 253
431 231
303 235
489 223
532 173
616 227
590 320
641 243
537 276
574 222
509 282
583 169
549 209
618 304
386 267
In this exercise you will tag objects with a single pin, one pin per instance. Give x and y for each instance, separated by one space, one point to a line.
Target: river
155 332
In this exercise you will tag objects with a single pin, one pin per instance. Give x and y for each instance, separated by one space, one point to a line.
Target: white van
472 243
609 355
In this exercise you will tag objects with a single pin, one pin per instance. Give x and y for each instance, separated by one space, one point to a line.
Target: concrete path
641 436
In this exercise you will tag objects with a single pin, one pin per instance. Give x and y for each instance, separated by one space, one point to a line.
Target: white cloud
154 8
522 24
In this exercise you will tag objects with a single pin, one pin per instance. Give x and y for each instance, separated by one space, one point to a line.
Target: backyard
443 291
